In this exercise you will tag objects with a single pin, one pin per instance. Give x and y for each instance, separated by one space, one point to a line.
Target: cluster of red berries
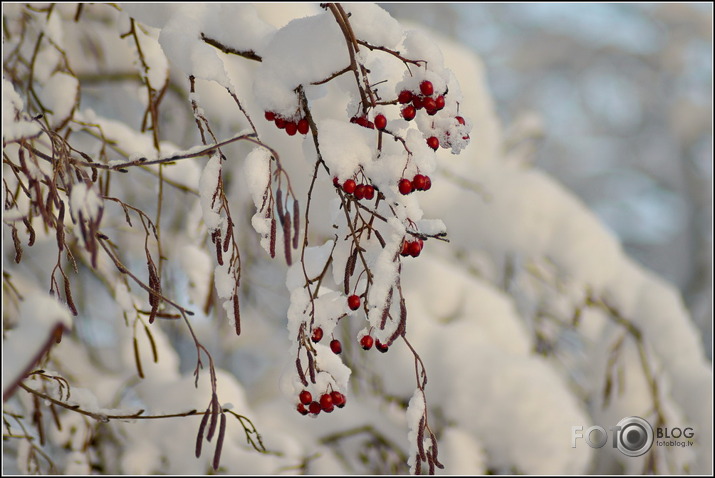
412 248
415 101
429 100
326 403
419 183
360 191
366 342
289 125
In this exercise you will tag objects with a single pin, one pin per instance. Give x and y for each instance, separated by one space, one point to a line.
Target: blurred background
615 101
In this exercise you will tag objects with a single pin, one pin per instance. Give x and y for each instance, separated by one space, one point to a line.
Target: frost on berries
376 145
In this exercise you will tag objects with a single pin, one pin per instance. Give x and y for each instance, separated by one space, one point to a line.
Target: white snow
84 202
208 186
59 95
39 316
14 123
520 244
297 55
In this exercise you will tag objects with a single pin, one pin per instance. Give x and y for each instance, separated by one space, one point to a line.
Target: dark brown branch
250 54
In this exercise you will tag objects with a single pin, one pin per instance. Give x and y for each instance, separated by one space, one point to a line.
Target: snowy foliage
238 209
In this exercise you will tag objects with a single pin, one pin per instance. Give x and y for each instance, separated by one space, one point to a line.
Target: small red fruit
336 182
363 121
418 182
426 88
317 335
359 191
459 119
404 97
326 402
301 409
380 121
270 116
430 105
405 186
305 397
338 399
369 192
280 122
440 102
409 112
291 128
428 183
405 251
303 126
314 408
416 247
381 347
433 142
354 302
366 342
336 346
349 186
417 102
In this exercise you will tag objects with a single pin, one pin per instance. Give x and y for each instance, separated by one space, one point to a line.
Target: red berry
359 191
305 397
428 183
405 251
317 335
349 186
405 96
301 409
338 399
465 137
364 122
369 192
381 347
326 403
433 142
270 116
405 186
459 119
418 182
409 112
430 105
336 182
280 122
366 342
354 302
416 247
417 102
336 346
314 408
303 126
291 128
380 121
440 102
426 88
